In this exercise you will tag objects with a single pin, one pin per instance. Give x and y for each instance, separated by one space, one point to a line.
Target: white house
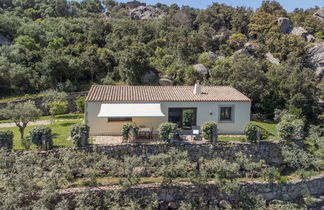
109 107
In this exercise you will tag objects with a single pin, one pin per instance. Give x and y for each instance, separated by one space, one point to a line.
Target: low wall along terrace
172 196
270 152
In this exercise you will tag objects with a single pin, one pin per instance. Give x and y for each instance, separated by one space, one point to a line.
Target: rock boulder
150 78
284 25
165 82
316 56
201 69
271 58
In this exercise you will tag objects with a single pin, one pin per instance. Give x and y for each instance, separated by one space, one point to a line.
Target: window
120 119
226 114
176 116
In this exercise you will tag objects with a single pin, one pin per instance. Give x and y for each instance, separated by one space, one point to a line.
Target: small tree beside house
57 107
21 114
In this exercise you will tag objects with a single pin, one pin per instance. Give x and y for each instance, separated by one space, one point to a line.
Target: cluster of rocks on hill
140 11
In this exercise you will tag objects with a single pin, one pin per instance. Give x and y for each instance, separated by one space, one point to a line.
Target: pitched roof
107 93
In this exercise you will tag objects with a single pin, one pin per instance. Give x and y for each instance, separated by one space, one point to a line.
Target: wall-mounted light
210 112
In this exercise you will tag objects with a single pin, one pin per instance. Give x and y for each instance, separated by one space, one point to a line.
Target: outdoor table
145 132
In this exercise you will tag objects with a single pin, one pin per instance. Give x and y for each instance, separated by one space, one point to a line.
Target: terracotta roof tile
109 93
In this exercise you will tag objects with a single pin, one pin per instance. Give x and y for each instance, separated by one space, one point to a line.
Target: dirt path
40 122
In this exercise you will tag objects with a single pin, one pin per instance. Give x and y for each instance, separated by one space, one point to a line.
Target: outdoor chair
196 133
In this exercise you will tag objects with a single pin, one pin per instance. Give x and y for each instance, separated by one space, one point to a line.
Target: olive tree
21 114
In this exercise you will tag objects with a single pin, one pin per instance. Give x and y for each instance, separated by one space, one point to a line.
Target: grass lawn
60 131
231 137
270 127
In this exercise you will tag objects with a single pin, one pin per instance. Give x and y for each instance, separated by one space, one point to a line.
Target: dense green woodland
55 44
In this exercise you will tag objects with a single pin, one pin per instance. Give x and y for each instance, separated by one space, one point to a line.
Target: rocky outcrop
134 4
271 58
146 12
319 14
284 25
300 31
316 55
287 28
201 69
4 41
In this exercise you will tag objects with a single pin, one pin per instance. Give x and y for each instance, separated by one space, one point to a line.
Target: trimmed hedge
80 135
6 139
207 130
126 128
36 134
168 131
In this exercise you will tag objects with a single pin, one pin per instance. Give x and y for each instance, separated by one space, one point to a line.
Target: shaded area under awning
114 110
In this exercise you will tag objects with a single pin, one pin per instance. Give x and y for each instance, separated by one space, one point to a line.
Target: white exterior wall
241 113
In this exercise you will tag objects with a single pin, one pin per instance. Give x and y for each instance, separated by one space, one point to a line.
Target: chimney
197 89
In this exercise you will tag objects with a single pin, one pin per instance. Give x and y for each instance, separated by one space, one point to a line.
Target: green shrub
188 117
167 131
80 102
285 130
36 134
58 107
271 175
80 135
6 139
290 127
126 128
251 132
207 130
264 134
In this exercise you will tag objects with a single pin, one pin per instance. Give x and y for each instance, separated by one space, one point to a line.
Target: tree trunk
21 130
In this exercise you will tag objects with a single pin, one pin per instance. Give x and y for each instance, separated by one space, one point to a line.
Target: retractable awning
114 110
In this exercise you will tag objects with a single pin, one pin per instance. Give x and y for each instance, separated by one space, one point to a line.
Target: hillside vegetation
268 54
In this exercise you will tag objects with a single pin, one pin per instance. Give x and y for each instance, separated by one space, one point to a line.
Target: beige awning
114 110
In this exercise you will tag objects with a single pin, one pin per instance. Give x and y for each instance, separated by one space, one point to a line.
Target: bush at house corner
80 135
6 139
207 130
168 131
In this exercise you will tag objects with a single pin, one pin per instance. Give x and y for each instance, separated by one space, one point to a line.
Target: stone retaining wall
268 151
172 196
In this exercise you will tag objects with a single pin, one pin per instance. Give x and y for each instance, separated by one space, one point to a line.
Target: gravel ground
40 122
